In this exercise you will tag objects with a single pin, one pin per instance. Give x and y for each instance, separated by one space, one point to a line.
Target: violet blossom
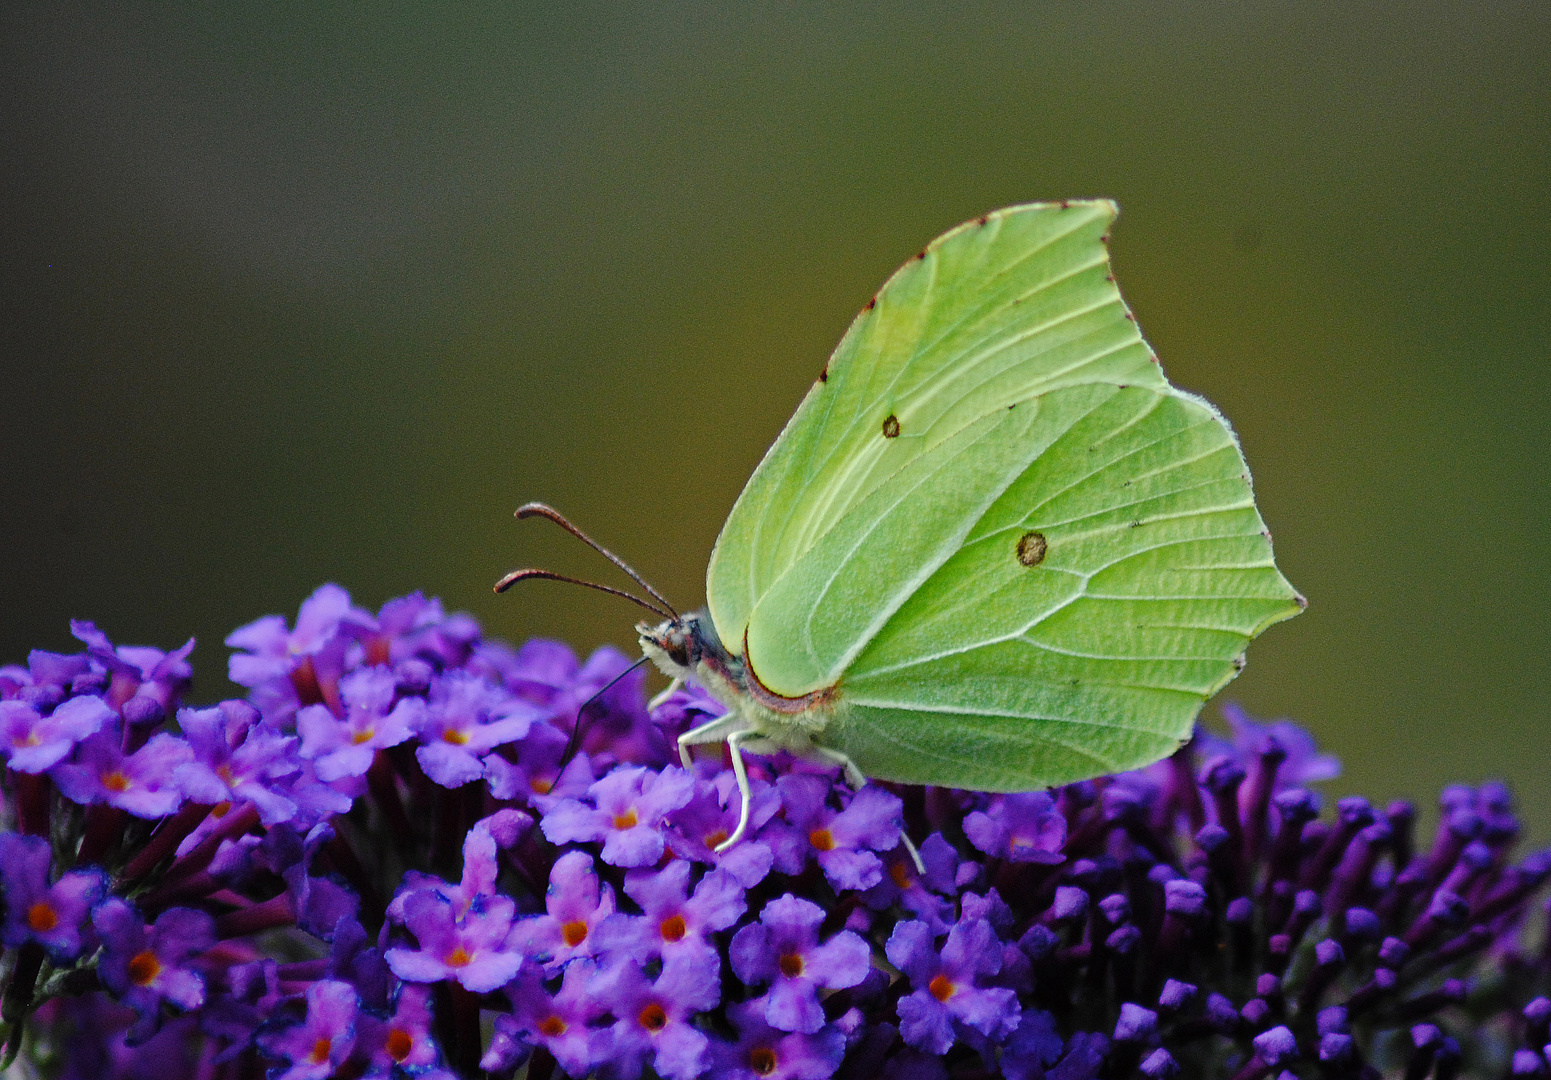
655 1018
673 922
147 965
345 748
144 783
627 812
32 743
316 1047
783 950
575 904
57 915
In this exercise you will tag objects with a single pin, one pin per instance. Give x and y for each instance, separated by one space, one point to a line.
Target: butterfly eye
677 650
1032 548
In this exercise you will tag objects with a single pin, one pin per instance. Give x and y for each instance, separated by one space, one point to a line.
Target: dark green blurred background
307 292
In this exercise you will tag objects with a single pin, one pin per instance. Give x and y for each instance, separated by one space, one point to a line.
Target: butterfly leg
743 788
657 701
853 775
855 778
723 727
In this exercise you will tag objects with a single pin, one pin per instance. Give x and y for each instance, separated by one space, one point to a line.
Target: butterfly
993 549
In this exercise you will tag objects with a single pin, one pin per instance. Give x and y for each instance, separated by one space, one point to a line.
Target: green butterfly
994 548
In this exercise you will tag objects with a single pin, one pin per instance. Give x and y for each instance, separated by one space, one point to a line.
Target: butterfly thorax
690 648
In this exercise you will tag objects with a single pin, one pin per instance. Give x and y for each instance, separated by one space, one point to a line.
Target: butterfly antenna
549 575
575 741
537 509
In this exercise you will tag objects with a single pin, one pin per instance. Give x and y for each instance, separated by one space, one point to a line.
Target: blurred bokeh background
300 292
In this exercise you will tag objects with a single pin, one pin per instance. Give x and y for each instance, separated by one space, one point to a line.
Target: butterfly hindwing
1155 573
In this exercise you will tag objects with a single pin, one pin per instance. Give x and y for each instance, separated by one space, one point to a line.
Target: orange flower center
762 1060
821 839
552 1026
653 1018
672 928
901 875
363 736
399 1043
459 957
540 785
225 773
791 965
116 782
320 1051
42 917
716 838
574 933
627 820
30 739
454 736
144 967
219 809
942 987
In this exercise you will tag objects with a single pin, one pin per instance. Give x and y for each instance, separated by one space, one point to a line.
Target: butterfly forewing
996 311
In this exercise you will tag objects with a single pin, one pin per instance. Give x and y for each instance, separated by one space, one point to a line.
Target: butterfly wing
994 312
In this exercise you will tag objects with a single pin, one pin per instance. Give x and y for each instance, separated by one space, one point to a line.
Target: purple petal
924 1023
448 765
753 961
793 1005
852 869
842 961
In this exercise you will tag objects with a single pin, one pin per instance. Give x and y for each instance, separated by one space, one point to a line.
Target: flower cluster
382 864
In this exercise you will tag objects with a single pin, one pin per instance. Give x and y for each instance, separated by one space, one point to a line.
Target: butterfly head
678 646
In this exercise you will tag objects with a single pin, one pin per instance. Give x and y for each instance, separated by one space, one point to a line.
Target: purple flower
1303 765
575 903
404 1038
145 966
470 948
288 669
559 1023
501 829
655 1019
316 1047
466 718
948 988
629 805
138 670
237 760
710 818
541 672
317 800
783 949
674 923
688 706
341 748
47 679
1025 827
923 896
766 1053
843 841
32 743
1032 1048
533 767
416 629
143 783
55 916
